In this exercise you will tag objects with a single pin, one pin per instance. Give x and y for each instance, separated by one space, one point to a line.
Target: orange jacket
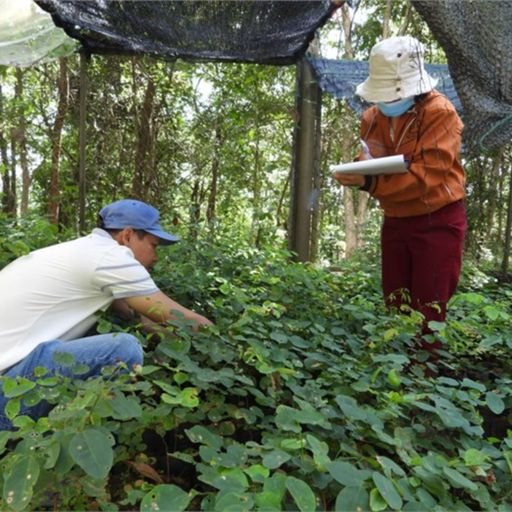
429 137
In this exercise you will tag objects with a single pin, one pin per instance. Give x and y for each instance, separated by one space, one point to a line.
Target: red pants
422 255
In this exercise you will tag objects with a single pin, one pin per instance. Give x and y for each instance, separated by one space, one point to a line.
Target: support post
304 161
82 141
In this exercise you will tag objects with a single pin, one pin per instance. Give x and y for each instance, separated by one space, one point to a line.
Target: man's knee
127 349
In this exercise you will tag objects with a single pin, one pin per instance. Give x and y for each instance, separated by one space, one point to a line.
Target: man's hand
159 308
152 327
202 320
350 180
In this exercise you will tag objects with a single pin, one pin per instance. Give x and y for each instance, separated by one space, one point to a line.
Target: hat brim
165 238
374 91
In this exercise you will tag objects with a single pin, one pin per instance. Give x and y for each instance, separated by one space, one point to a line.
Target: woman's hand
350 180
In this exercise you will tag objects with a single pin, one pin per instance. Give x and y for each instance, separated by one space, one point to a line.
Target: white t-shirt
54 293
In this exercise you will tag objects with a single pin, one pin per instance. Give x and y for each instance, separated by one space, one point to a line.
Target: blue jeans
94 351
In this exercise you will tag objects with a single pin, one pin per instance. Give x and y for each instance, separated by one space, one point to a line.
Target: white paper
386 165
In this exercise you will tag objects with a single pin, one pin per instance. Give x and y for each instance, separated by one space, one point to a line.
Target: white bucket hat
396 71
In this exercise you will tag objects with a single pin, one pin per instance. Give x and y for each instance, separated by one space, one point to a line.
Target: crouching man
49 298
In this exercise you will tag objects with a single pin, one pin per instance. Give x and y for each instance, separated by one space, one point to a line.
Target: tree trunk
281 201
56 140
212 196
141 180
387 18
195 209
362 209
508 229
351 238
318 184
404 27
5 164
13 200
256 191
22 141
350 222
348 53
493 187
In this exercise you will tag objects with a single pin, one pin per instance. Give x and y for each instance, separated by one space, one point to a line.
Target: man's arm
159 308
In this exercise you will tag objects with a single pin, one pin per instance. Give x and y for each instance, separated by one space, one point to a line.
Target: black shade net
257 31
477 38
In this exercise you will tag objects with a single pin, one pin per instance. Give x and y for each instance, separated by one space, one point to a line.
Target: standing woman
424 215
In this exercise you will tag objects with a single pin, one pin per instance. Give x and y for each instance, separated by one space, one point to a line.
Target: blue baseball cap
130 213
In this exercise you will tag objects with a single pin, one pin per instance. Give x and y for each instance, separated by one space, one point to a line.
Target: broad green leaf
293 444
4 439
468 383
52 454
209 455
347 474
235 456
200 434
473 457
12 408
275 459
188 397
394 378
165 497
508 459
168 388
458 480
92 451
352 499
19 483
320 450
301 493
125 408
491 312
389 334
233 502
377 502
387 490
276 484
232 479
415 506
426 498
494 402
279 337
390 466
66 359
24 423
351 408
258 473
286 418
268 501
16 387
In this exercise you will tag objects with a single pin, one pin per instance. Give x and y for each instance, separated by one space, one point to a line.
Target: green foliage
19 238
305 395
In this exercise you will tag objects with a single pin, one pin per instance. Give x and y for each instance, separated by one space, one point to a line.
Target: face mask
397 108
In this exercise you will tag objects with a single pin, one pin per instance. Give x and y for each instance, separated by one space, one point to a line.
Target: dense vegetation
306 394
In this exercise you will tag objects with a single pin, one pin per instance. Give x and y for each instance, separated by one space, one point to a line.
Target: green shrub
306 394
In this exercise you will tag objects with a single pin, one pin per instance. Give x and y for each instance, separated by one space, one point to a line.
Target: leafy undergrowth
306 395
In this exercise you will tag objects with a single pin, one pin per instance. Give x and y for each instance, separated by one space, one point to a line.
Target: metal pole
303 163
82 141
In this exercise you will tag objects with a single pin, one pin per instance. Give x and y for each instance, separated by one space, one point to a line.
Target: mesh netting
267 32
339 78
28 34
477 39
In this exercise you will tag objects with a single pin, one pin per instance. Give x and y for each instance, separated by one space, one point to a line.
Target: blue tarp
339 78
